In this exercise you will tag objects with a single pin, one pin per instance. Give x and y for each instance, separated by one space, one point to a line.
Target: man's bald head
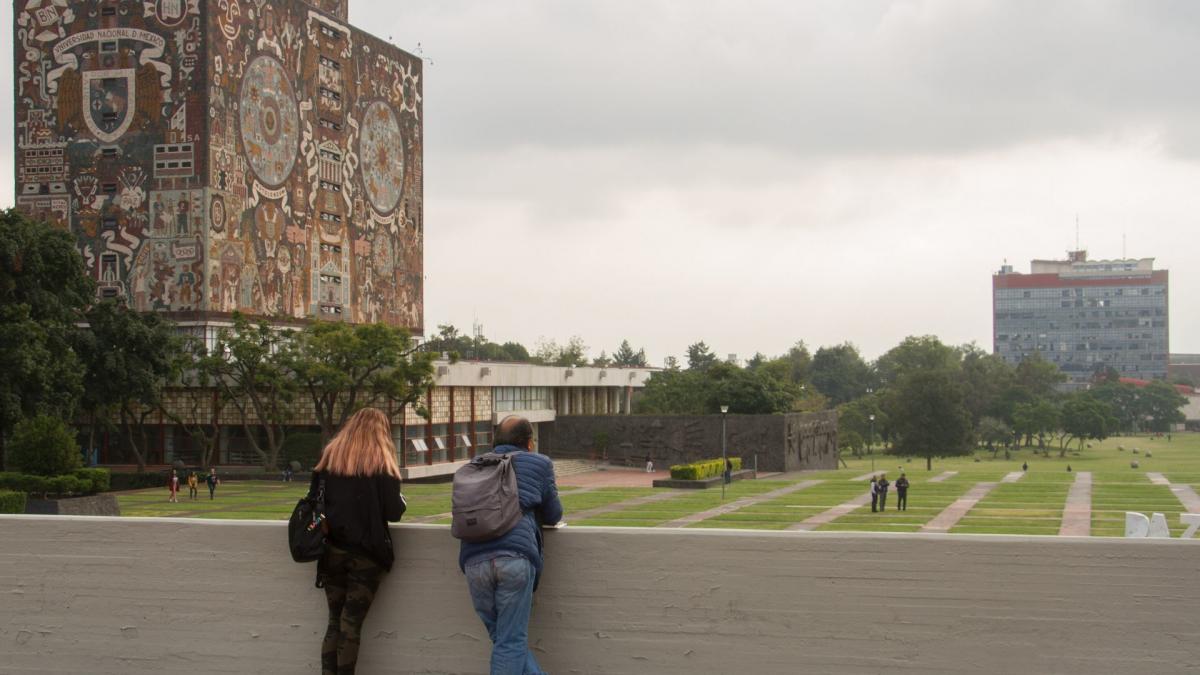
515 430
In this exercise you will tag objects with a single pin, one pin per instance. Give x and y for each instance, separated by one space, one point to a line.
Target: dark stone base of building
745 474
791 442
98 505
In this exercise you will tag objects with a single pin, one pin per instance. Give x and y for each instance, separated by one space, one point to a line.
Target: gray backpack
484 503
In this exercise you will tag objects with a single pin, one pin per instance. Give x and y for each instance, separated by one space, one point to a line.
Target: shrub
43 446
709 468
82 482
95 480
12 502
304 448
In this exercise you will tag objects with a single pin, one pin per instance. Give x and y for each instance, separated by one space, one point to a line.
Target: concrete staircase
571 467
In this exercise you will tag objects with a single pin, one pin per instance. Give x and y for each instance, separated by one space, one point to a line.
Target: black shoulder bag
306 536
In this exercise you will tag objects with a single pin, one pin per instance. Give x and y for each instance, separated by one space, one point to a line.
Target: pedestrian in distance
1024 466
881 486
902 492
173 487
361 482
212 481
728 471
874 496
193 483
649 464
503 572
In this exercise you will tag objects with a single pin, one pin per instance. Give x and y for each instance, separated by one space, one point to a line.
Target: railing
98 595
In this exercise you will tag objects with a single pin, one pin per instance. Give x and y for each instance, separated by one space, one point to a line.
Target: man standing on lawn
902 493
502 573
213 482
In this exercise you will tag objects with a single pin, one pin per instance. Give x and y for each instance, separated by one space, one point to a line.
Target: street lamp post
724 458
871 441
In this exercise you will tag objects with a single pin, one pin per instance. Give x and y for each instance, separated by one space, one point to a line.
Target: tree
1122 398
128 357
197 402
1038 418
855 417
1085 417
700 357
994 433
840 373
345 367
673 392
930 418
43 446
251 372
671 363
986 377
1159 404
43 293
915 353
571 355
1039 377
602 361
626 357
746 392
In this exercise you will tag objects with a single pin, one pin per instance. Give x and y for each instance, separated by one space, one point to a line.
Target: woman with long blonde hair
361 480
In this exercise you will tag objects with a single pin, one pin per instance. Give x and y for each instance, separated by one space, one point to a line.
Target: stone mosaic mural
224 155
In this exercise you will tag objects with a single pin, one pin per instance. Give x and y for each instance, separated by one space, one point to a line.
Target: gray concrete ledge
111 595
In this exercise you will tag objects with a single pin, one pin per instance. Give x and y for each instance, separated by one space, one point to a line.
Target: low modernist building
469 399
1084 316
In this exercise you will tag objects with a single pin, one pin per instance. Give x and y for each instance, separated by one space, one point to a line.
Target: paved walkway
739 504
1184 493
950 516
1077 514
813 522
637 501
943 476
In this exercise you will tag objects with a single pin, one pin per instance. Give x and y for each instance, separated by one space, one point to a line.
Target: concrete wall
159 596
782 442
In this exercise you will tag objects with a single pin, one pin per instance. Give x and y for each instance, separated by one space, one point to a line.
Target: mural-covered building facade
212 157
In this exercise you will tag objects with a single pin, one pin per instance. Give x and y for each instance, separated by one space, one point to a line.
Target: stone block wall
791 442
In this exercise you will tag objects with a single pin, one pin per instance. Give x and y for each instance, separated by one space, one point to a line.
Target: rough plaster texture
792 442
157 596
96 505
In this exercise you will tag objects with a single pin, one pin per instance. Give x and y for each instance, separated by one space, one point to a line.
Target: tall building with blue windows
1084 316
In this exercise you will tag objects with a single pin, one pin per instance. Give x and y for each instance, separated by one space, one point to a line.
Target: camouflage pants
351 580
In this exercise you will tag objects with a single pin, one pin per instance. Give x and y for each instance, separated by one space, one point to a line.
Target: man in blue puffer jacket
502 573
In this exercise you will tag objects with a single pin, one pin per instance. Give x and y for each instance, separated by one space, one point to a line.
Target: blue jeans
502 593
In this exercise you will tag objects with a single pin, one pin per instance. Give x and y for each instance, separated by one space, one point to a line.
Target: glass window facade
508 399
1085 327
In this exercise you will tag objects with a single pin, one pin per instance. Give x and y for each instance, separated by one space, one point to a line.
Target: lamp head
724 409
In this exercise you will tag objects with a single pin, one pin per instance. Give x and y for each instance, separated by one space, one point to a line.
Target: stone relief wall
315 167
232 155
109 116
782 442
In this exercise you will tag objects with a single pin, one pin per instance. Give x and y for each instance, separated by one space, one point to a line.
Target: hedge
81 482
709 468
139 481
12 502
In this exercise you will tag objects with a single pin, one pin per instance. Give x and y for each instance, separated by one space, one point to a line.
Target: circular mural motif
270 121
382 153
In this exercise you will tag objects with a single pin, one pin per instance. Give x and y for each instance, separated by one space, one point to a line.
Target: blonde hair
363 447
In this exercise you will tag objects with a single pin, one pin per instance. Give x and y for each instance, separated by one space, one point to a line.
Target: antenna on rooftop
1123 254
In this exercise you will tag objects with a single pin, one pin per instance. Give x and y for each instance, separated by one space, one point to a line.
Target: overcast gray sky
755 173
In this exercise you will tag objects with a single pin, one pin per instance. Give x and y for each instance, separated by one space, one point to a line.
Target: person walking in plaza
503 573
361 482
874 495
212 482
881 487
902 493
193 483
173 486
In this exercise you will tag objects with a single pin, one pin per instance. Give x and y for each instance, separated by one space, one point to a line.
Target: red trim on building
1055 281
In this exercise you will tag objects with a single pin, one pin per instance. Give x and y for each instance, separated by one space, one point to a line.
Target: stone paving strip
1077 514
950 516
739 504
442 516
813 522
867 476
1184 493
943 476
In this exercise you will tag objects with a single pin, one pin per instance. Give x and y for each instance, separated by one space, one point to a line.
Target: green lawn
1032 505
